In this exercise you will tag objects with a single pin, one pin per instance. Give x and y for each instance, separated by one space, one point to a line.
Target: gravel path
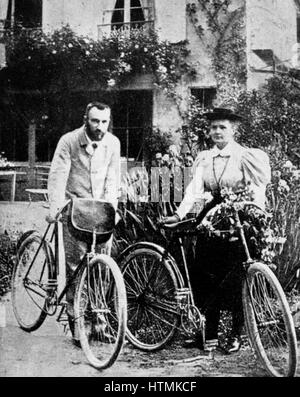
48 352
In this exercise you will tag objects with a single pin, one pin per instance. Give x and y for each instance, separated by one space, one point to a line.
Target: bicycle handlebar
198 219
61 209
177 225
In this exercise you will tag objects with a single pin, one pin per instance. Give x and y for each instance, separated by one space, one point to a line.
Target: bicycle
160 298
100 305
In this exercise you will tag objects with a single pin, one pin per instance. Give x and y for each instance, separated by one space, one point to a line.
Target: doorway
28 13
132 118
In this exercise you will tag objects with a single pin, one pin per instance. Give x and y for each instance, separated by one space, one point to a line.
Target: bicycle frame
52 283
177 237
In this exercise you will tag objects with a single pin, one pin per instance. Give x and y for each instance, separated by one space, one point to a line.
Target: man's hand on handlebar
55 214
50 218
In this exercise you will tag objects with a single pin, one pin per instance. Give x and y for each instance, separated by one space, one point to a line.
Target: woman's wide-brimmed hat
223 114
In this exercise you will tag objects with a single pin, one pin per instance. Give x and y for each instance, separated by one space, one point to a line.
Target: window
27 13
127 11
205 96
127 15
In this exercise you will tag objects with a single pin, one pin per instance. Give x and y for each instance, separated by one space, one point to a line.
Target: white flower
70 45
122 55
288 164
277 174
111 82
125 66
87 53
296 174
136 46
145 49
162 69
282 183
54 52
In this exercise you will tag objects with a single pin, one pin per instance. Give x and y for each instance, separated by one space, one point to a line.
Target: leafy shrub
65 60
7 254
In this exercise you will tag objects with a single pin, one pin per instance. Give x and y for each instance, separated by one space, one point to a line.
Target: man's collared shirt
77 173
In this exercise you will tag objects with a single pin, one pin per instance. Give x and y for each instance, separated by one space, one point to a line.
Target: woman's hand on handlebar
169 220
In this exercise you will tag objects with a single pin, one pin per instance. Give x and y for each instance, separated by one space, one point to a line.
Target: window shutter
170 19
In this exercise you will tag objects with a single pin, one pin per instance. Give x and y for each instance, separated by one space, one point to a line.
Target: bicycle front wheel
269 321
31 274
100 308
152 307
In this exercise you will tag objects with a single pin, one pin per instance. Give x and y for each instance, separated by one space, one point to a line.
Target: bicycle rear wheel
269 321
30 280
101 311
152 308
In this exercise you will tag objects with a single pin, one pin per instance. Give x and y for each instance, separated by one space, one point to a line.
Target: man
86 164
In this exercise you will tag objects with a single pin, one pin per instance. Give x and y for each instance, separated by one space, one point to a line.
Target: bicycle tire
269 321
152 308
29 296
101 311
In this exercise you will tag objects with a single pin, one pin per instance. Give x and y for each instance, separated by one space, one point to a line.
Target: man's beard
88 130
92 135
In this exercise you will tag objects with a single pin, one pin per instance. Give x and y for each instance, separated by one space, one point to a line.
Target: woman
226 165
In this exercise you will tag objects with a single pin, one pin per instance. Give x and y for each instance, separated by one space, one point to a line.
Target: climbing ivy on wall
225 36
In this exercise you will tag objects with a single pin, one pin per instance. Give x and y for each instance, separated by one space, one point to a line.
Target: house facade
269 30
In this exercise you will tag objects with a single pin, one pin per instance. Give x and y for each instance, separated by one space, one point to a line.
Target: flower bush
63 58
156 141
283 201
261 237
194 133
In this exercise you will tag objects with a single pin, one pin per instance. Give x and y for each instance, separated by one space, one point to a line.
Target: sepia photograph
149 191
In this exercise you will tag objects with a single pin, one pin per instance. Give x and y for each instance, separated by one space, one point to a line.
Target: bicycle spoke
269 321
152 314
101 306
30 278
160 317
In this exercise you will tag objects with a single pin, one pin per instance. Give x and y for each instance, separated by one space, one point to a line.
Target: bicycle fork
191 295
185 299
